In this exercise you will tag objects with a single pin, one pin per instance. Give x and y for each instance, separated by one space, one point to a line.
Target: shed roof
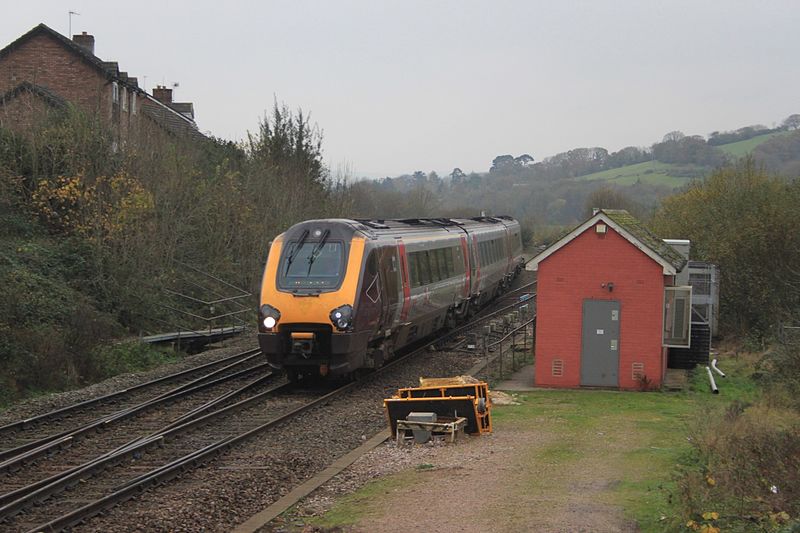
632 230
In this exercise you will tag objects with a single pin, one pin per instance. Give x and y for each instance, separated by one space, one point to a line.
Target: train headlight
342 317
269 316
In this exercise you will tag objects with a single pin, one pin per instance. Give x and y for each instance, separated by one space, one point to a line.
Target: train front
308 294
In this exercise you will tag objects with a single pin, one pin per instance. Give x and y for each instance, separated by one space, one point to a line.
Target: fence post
501 357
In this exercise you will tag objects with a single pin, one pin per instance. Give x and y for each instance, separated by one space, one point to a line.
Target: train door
391 281
369 311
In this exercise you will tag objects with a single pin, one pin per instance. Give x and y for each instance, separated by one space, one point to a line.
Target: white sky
430 85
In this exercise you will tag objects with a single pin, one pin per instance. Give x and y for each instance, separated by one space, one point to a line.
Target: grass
364 503
649 172
742 148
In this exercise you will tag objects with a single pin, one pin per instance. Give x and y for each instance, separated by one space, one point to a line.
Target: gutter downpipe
717 370
714 388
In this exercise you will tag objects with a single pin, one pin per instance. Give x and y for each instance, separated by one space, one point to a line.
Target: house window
124 99
114 92
677 317
133 103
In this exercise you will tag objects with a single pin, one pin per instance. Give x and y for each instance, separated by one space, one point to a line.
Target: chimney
162 94
85 41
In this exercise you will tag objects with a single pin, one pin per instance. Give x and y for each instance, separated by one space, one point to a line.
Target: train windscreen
311 265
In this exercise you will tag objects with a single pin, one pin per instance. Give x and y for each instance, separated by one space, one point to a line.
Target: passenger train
339 295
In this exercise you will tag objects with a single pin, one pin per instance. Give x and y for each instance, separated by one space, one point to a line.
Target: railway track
104 481
28 443
31 432
27 472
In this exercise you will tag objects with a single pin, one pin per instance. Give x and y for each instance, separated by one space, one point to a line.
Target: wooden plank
262 518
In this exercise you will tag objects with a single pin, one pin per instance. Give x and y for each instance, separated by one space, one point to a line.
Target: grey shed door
600 343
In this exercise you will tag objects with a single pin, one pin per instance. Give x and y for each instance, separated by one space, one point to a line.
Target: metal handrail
512 332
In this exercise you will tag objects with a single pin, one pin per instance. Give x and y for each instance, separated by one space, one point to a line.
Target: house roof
44 93
108 68
632 230
171 119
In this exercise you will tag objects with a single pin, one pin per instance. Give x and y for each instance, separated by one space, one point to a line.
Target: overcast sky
432 85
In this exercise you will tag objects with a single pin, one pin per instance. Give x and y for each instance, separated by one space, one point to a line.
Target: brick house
605 292
43 70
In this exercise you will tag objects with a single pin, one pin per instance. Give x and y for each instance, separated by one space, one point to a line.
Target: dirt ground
546 476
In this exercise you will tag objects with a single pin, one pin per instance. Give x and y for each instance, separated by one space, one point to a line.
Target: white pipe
714 388
717 370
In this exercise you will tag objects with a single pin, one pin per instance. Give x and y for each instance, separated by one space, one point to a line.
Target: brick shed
603 291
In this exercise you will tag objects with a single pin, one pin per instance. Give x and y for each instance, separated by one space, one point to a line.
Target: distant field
669 175
650 172
742 148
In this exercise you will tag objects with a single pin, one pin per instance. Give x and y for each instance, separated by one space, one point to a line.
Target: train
341 296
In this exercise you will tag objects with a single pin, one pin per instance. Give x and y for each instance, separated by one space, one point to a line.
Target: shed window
677 317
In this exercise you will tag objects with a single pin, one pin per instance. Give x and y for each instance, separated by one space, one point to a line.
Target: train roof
374 228
406 223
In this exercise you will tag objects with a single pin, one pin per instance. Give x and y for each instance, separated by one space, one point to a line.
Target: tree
457 176
524 160
502 163
673 136
607 197
745 221
792 122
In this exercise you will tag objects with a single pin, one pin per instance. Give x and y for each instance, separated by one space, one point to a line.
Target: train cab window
311 266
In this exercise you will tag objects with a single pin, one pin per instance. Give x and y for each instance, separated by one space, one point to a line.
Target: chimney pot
85 41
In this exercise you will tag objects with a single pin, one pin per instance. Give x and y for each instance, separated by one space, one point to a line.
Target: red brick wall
575 273
43 61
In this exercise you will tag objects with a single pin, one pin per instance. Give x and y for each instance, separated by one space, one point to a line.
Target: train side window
444 253
447 253
442 257
412 266
424 268
434 261
458 260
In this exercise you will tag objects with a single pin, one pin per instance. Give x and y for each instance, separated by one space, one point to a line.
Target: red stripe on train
406 283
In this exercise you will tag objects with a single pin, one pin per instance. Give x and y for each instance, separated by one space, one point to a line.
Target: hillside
558 189
743 148
649 172
673 175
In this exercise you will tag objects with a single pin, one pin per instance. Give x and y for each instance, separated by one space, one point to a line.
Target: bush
129 356
779 373
744 466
